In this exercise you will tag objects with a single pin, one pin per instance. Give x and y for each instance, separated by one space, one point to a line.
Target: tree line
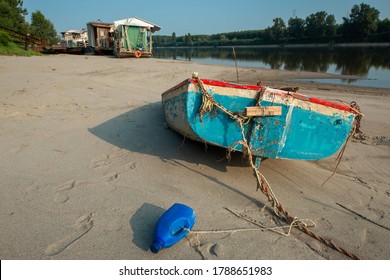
12 17
362 25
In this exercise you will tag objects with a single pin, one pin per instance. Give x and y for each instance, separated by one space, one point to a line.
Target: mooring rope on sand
208 104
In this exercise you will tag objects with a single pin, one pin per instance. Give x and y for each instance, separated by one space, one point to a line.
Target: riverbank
88 165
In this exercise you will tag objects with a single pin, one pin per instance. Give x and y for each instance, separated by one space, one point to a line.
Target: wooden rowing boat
274 123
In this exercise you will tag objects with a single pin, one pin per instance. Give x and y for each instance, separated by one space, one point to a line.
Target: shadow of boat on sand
144 130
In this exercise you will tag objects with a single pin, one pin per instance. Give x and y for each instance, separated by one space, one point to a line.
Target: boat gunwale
279 92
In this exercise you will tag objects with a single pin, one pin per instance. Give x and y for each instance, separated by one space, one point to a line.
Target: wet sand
88 165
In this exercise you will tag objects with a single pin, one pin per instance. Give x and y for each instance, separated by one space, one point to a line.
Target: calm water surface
371 64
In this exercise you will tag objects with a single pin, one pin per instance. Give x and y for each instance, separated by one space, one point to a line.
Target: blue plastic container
172 226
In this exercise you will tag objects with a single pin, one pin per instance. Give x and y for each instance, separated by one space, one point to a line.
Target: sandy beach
88 165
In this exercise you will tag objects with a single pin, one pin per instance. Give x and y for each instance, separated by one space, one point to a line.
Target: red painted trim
292 95
227 84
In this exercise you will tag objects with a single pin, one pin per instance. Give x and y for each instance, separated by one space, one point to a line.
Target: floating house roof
99 24
138 22
73 31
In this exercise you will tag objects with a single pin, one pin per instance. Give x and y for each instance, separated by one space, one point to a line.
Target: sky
196 16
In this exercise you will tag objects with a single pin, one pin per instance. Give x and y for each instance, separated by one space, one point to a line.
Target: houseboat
133 37
101 37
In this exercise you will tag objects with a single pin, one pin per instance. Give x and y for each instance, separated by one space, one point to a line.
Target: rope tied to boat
208 103
358 117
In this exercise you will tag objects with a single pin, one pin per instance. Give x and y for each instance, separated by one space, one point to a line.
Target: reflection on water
371 63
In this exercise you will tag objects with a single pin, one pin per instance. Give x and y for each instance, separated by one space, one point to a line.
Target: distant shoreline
314 45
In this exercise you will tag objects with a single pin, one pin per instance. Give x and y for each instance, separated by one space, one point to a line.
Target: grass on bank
8 47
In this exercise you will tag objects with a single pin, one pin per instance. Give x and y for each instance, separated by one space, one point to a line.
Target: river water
371 64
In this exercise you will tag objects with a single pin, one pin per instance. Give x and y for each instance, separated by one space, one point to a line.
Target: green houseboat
133 37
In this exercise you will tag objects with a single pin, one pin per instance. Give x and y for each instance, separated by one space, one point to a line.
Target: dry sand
88 165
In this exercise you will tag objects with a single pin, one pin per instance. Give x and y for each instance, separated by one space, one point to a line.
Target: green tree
42 27
318 24
174 38
296 28
330 26
4 39
384 26
278 30
12 15
188 39
362 22
223 38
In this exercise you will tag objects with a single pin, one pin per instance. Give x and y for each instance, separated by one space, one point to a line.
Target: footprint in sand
31 192
80 227
114 222
19 92
118 153
61 195
19 148
100 162
131 165
324 222
210 250
215 250
112 176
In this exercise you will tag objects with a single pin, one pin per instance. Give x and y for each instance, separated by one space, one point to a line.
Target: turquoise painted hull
307 128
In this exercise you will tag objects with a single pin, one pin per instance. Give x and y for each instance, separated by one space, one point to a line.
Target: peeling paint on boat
308 128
